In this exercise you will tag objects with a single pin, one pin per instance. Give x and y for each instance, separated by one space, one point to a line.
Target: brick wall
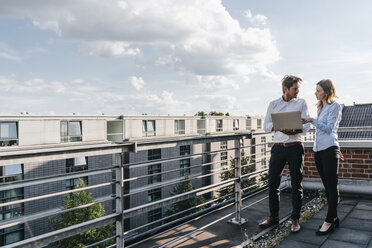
357 164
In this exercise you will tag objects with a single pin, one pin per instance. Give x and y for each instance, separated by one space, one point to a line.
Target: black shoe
330 229
269 222
336 222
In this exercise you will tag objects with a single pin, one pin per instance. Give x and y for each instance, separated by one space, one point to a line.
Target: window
185 167
223 155
200 126
76 164
263 146
153 216
223 145
259 123
71 131
219 127
8 133
15 233
154 169
223 164
179 127
205 149
9 173
185 150
235 124
154 154
11 234
248 123
73 165
115 131
154 195
148 128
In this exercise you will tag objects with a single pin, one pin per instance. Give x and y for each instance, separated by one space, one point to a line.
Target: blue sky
178 57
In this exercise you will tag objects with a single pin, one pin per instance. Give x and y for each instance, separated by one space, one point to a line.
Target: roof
355 135
358 115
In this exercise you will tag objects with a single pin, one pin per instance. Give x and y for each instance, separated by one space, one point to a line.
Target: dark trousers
327 164
280 156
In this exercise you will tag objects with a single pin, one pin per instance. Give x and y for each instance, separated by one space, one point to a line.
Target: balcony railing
205 177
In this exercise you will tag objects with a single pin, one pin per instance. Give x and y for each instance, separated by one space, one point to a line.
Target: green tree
229 172
177 207
77 216
215 113
201 113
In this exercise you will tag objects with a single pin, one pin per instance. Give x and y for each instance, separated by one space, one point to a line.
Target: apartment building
45 146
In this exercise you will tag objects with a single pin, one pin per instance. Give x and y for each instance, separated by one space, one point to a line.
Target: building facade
149 138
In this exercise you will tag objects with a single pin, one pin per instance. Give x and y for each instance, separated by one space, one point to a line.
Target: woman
326 149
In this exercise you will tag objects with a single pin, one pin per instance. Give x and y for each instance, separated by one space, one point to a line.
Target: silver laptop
287 120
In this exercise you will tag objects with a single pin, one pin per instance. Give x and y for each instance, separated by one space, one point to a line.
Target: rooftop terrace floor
214 230
355 229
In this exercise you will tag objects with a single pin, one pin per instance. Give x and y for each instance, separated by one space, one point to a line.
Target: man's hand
290 131
307 120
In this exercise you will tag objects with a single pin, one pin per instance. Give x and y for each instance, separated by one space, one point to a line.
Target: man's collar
293 99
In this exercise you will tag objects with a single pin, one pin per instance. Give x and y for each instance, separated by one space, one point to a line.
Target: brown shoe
269 222
295 227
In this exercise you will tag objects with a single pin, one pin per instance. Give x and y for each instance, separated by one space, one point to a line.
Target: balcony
226 216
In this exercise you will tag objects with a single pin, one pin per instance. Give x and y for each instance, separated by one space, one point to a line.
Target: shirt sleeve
305 114
268 123
333 119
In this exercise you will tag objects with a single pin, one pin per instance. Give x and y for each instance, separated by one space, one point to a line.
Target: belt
289 144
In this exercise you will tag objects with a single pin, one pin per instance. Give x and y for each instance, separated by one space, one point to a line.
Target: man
287 148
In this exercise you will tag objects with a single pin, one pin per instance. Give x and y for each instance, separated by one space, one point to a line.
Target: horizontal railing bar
50 237
100 242
170 171
170 216
157 161
54 194
66 176
199 217
165 160
144 206
169 183
23 219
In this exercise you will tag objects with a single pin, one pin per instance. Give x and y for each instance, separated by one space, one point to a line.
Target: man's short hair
289 80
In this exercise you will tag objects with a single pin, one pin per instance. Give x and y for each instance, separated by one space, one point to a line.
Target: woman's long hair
329 91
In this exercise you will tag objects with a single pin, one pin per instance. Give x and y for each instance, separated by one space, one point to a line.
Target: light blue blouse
326 125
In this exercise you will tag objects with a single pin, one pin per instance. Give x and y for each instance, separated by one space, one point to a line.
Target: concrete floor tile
344 208
357 224
352 202
312 224
295 244
339 244
307 236
363 205
351 236
361 214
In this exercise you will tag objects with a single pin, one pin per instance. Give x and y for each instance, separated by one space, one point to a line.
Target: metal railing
214 200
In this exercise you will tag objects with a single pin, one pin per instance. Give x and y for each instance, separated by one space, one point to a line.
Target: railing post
238 193
119 187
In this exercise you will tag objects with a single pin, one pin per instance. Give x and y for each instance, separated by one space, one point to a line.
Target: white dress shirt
279 105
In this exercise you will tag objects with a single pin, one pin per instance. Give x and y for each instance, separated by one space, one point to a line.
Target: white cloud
7 53
110 49
217 82
137 82
257 19
8 56
196 36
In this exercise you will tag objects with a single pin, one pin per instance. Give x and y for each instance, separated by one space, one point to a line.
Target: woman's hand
307 120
